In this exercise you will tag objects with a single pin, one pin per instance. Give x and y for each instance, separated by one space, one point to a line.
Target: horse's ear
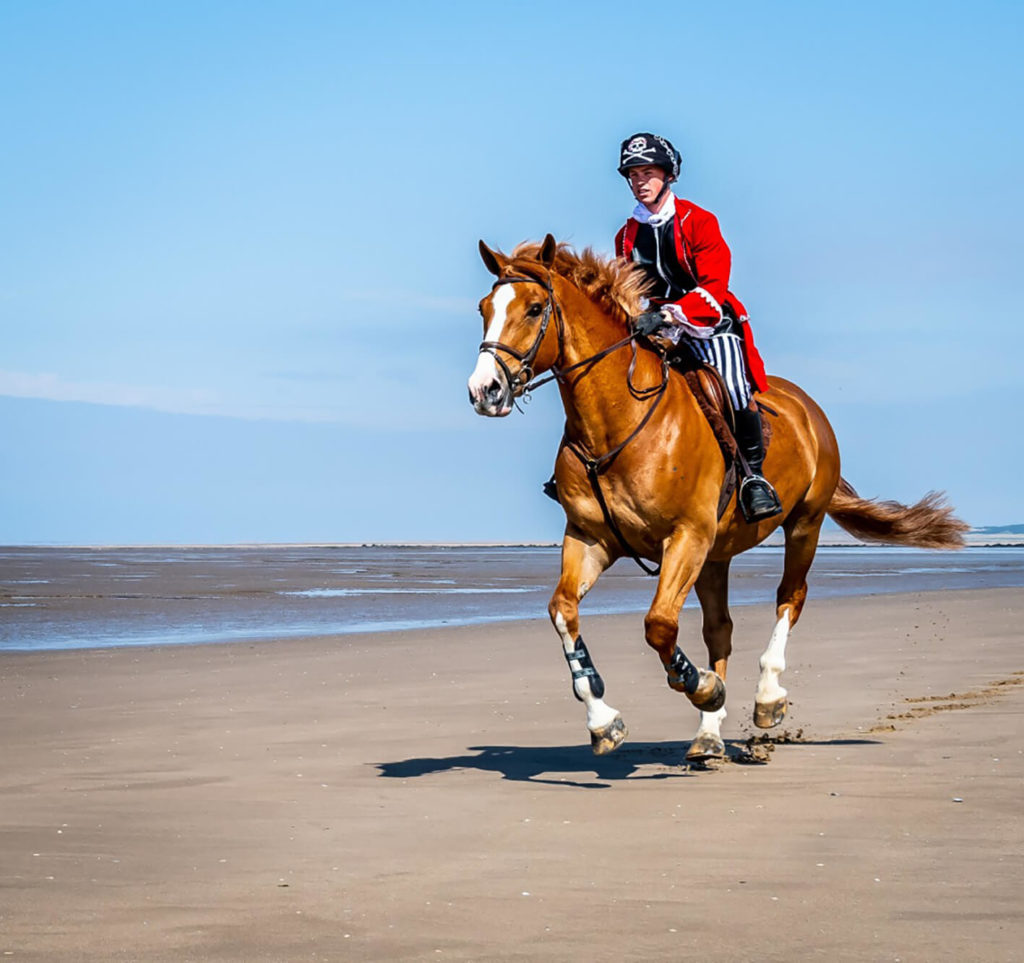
492 260
548 250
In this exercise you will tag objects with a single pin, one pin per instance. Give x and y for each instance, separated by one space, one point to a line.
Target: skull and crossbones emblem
637 147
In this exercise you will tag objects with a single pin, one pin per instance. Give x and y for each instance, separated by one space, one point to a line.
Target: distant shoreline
775 540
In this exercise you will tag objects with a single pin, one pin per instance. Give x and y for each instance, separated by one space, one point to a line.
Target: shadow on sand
531 763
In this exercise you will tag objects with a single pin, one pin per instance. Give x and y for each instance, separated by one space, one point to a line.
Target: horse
640 474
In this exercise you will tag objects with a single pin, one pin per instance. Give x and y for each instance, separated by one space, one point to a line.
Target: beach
431 794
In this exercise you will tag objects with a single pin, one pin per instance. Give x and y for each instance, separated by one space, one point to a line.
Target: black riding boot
757 497
550 488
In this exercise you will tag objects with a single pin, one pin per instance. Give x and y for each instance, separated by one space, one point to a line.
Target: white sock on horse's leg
707 743
773 663
711 724
599 713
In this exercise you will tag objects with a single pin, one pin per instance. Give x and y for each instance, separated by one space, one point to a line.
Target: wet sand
431 795
62 598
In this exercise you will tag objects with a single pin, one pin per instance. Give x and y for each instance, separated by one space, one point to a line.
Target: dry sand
432 795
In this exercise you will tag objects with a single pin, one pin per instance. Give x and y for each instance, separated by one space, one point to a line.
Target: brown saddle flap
708 388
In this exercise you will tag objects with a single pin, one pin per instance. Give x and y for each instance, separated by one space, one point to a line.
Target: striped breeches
724 353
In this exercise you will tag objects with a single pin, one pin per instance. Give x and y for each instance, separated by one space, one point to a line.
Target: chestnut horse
640 473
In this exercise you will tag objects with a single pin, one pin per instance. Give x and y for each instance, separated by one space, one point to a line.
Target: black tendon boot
757 497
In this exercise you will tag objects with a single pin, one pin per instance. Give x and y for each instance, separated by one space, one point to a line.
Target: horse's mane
612 283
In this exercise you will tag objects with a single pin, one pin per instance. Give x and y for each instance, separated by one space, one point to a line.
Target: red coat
701 248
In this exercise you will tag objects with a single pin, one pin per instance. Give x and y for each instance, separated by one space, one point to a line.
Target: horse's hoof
608 738
705 746
710 694
768 714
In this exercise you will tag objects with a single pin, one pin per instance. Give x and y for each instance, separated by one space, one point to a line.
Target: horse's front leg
583 560
682 559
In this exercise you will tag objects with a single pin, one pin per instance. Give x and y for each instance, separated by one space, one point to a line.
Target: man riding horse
639 472
680 248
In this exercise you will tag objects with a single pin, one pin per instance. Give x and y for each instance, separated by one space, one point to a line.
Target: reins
595 466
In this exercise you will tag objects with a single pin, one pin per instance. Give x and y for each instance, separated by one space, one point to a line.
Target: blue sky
238 267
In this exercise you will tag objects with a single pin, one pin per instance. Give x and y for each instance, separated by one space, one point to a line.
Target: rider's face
646 183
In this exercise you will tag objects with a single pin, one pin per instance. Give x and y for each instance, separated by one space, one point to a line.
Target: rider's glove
648 323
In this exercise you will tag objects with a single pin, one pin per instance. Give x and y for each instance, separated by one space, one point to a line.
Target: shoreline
281 636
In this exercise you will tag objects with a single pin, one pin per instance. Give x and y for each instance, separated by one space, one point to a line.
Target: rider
681 249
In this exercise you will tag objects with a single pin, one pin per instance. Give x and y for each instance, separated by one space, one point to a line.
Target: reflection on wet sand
57 598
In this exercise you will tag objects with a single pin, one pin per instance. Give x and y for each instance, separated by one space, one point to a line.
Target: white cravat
662 216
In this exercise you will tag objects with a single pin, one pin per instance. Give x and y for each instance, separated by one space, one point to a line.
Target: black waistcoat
654 249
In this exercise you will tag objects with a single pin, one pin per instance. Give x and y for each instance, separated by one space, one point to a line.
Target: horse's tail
928 524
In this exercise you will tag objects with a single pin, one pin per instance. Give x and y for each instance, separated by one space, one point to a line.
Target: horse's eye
535 310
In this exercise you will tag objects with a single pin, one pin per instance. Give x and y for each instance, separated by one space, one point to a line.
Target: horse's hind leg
801 543
712 588
582 562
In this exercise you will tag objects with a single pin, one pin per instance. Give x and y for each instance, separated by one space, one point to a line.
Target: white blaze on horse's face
487 388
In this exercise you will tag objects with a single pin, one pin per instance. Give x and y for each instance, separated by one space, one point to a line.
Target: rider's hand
648 323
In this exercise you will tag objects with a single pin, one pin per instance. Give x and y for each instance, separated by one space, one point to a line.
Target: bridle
523 382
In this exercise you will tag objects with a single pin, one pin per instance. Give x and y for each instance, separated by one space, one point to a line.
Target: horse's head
518 342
